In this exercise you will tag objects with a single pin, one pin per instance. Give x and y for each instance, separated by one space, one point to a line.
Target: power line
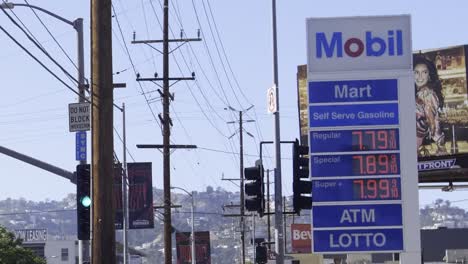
40 47
219 55
50 33
134 69
38 61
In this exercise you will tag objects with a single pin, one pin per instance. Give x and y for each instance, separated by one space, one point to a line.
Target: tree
11 251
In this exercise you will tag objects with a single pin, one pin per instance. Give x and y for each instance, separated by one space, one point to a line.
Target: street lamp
83 254
77 25
193 229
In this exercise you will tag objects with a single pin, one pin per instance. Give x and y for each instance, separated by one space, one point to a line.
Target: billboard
301 238
140 196
441 112
441 100
202 247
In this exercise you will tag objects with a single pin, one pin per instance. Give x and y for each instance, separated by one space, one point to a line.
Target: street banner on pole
140 196
202 247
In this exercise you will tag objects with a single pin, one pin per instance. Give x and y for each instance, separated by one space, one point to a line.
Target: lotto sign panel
364 179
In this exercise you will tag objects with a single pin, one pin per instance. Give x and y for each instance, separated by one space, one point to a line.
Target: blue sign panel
353 115
369 189
358 240
80 150
354 165
353 91
354 140
357 215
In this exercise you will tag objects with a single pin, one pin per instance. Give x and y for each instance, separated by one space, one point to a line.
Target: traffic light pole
278 187
268 209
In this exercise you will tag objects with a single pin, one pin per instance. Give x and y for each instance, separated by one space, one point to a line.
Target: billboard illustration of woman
441 102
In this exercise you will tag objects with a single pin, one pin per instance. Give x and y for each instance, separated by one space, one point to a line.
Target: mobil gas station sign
362 136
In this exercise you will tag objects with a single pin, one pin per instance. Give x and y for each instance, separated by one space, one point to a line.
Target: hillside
60 220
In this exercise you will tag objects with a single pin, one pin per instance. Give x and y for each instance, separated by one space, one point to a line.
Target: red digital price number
365 140
375 164
376 189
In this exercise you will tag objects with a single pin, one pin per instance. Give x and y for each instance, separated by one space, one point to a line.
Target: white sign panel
31 235
79 116
358 43
271 98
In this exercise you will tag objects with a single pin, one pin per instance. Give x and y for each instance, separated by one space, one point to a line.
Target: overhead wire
134 69
147 33
226 101
40 47
53 37
38 61
258 130
190 89
219 55
209 53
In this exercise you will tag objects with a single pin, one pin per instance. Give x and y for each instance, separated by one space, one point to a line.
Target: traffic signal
83 201
261 254
254 189
302 189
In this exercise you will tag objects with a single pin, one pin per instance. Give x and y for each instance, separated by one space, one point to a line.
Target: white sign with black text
79 116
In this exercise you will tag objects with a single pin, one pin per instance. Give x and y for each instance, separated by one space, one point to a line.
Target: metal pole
278 187
166 140
284 222
194 256
241 158
83 245
268 209
253 238
124 192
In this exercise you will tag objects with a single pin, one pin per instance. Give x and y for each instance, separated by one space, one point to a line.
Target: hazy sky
233 67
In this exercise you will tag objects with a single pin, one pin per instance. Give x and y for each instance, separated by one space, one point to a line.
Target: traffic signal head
261 254
302 187
254 189
83 201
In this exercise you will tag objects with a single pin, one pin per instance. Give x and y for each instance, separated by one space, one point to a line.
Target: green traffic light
86 201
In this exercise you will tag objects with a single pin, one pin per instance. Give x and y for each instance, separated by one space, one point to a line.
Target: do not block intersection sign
79 117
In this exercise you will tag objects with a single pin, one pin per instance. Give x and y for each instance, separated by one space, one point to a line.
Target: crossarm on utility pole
40 164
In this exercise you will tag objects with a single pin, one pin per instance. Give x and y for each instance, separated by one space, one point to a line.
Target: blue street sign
354 140
368 189
355 164
358 240
353 115
80 150
353 91
357 215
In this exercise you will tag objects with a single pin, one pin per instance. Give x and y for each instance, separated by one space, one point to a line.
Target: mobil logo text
335 44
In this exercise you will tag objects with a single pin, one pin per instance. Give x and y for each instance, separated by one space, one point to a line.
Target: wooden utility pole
166 123
103 212
241 174
242 202
166 140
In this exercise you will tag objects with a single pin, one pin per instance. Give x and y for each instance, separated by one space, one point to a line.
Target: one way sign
79 116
